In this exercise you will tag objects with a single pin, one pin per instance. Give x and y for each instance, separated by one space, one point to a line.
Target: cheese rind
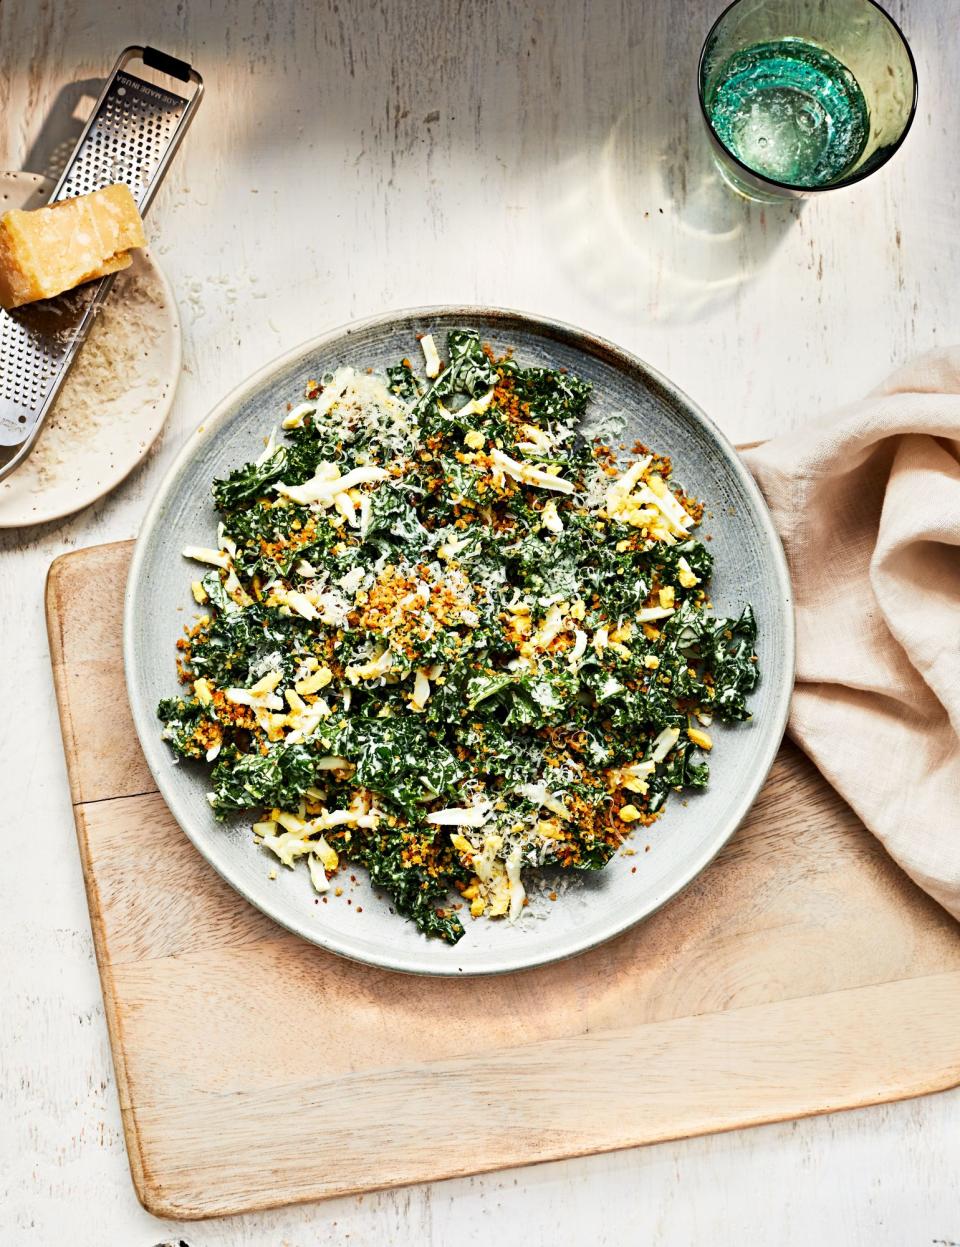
53 249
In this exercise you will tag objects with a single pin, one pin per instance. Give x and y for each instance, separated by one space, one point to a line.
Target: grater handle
131 136
153 58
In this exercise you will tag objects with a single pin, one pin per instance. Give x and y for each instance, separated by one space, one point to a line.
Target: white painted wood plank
314 188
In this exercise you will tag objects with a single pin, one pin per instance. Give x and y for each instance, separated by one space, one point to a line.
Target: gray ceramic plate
750 567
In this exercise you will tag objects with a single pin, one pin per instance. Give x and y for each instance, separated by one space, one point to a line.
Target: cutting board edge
52 600
52 588
154 1192
51 603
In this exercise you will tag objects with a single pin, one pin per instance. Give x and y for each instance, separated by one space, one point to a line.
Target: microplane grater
131 136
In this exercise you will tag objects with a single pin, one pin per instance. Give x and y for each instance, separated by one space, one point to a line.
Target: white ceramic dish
749 567
114 403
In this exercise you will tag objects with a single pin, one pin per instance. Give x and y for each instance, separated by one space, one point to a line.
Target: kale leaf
249 482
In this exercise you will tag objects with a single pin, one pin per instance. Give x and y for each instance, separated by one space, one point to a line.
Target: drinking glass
801 96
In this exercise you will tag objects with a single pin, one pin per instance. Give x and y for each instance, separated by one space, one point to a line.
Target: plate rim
209 427
66 509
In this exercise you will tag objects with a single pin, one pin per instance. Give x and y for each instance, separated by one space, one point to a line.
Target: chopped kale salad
451 637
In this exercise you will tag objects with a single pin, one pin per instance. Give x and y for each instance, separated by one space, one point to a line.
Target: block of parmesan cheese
52 249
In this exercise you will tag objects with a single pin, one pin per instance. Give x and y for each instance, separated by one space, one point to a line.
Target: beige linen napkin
868 507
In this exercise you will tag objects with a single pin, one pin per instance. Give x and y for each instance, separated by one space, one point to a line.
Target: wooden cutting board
801 973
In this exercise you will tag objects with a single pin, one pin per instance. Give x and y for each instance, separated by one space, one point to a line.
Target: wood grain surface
801 973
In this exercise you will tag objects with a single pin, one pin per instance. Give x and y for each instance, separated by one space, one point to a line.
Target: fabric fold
868 508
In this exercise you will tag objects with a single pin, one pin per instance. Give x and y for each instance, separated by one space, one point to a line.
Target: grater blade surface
132 135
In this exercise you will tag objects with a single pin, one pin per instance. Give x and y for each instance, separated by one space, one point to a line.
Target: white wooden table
354 156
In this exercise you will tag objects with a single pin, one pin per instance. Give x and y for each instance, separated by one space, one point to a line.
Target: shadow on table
62 126
648 227
641 220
